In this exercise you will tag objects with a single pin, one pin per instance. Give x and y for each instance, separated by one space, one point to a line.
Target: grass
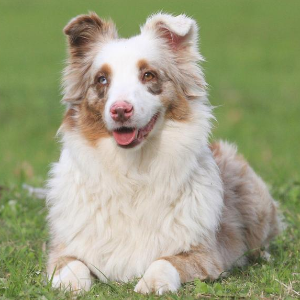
22 258
253 68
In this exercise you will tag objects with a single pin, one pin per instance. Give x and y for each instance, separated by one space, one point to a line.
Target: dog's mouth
129 137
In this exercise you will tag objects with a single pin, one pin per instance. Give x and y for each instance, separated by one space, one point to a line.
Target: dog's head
126 89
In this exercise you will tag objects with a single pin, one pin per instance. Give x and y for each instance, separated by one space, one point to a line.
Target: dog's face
131 84
124 88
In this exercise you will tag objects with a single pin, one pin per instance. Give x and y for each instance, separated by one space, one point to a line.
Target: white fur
75 275
118 210
160 277
126 84
180 25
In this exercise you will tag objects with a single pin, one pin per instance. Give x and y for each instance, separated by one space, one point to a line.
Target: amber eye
148 76
102 80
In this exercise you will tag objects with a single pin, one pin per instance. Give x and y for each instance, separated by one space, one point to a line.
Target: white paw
75 276
160 277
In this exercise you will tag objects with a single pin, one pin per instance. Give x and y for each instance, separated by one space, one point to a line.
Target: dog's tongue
124 136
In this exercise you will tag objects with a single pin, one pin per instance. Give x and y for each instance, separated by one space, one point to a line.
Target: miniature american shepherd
139 191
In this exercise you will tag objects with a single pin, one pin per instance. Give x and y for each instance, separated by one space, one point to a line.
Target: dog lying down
138 190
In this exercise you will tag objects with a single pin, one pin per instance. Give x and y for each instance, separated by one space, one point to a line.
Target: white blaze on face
123 56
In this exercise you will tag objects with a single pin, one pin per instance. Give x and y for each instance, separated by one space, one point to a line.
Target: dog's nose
121 111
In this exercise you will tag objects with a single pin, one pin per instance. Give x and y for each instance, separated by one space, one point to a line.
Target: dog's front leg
167 273
71 274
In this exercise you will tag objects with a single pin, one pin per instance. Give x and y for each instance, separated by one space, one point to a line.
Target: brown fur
69 122
91 123
199 262
246 197
56 260
86 30
103 89
178 108
61 262
154 86
84 33
181 60
247 203
88 116
176 104
249 217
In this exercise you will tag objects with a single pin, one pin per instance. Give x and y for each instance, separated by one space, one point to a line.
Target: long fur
174 201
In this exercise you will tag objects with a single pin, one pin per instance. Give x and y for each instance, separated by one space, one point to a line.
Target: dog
139 191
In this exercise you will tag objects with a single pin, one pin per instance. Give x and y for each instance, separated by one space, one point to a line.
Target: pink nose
121 111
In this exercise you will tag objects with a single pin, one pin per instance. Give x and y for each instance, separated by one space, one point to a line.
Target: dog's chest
118 226
118 230
121 237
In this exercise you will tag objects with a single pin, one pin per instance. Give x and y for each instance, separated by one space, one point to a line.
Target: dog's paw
75 276
160 277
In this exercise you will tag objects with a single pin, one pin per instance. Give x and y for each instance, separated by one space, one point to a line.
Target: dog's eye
148 76
102 80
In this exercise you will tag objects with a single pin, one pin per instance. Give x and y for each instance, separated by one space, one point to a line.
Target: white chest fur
119 210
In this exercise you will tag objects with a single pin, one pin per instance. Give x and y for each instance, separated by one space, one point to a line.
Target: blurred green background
252 65
252 51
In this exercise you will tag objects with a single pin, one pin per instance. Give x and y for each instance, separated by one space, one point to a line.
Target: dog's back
250 218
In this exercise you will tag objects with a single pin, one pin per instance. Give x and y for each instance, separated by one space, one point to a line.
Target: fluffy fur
168 205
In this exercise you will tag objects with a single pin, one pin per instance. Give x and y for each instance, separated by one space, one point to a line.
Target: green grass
23 236
253 68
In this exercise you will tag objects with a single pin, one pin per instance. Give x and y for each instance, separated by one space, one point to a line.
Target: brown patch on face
102 89
87 116
143 64
177 109
90 121
199 262
176 104
155 84
106 70
155 88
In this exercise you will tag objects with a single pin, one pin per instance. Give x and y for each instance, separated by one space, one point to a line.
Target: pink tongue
124 137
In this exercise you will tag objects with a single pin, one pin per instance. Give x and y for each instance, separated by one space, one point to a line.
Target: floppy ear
84 30
85 33
179 36
179 32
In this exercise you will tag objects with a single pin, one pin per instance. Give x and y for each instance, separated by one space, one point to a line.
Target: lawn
253 69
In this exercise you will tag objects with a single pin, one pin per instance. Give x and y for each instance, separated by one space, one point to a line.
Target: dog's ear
180 35
84 30
85 33
179 32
